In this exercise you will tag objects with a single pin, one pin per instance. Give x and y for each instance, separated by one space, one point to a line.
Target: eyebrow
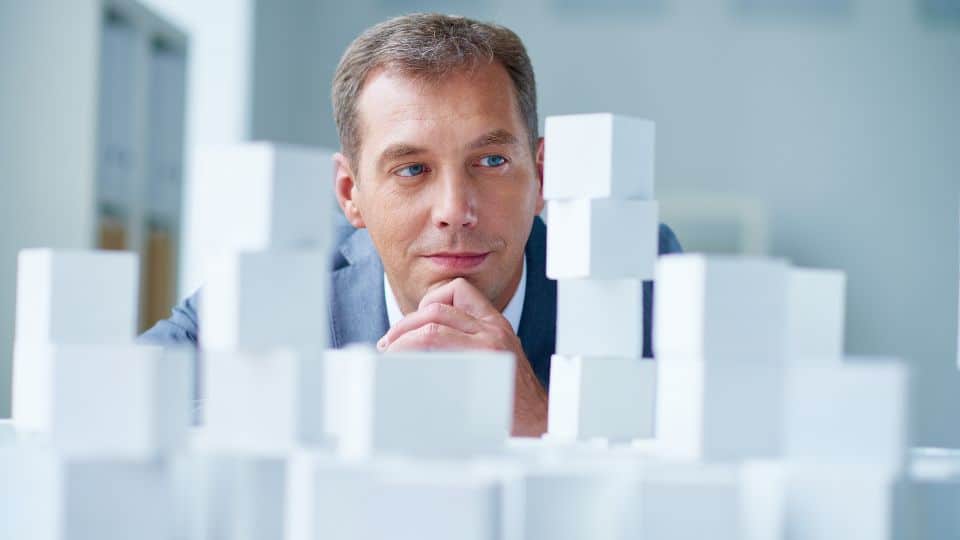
497 137
397 151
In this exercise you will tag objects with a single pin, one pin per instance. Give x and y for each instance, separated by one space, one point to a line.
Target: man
440 178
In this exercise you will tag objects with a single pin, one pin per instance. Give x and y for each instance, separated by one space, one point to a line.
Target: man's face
446 181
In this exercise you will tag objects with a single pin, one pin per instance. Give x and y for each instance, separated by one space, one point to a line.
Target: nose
455 204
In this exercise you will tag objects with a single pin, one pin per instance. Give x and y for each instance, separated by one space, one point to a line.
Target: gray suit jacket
358 311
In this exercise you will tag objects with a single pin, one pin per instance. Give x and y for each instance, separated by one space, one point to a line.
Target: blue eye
492 161
412 170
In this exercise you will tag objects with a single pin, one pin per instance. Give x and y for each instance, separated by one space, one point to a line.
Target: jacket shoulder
668 242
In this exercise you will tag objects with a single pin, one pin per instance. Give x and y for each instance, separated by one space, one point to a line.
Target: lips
458 261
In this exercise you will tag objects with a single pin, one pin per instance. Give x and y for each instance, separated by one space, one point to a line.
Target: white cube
816 311
266 299
691 502
854 413
602 238
386 499
47 497
265 401
437 503
224 496
582 501
726 309
425 404
825 501
601 397
329 498
600 317
763 499
8 433
598 156
260 196
104 400
72 296
714 412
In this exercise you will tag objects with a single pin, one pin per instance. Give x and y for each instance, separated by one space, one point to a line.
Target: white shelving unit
91 142
139 178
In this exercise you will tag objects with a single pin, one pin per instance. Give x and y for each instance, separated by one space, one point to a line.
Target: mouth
458 260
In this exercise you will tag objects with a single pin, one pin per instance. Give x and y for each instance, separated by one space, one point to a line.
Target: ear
345 186
539 164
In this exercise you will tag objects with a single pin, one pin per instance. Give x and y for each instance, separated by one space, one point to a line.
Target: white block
8 433
580 501
816 312
426 404
691 502
727 309
601 397
266 299
225 497
848 413
602 238
46 497
401 499
68 296
763 500
849 501
261 196
104 400
330 499
598 156
600 317
719 412
265 401
430 503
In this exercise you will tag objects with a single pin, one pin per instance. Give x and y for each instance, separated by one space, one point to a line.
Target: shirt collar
512 312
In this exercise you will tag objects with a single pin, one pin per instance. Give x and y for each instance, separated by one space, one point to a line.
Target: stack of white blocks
94 408
270 390
720 322
765 431
752 370
263 306
845 423
263 328
602 234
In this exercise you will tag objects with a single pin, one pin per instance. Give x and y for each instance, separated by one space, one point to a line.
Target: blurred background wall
824 131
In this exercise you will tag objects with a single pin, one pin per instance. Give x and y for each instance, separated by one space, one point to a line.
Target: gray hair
429 46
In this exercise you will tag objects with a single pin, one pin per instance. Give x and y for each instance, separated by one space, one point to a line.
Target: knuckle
430 330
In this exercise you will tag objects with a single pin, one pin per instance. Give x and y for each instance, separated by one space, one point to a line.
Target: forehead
394 107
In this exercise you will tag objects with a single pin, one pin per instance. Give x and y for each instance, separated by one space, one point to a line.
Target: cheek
512 203
397 221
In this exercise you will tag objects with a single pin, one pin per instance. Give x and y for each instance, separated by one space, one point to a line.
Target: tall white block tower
602 232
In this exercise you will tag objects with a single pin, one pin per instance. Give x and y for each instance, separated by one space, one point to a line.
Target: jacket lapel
358 310
538 323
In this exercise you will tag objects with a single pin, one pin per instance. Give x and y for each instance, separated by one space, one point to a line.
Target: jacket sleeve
668 241
181 328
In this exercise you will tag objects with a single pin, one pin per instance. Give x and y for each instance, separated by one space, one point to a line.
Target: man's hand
458 316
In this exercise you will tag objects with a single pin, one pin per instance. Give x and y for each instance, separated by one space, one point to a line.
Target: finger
433 336
460 293
437 313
